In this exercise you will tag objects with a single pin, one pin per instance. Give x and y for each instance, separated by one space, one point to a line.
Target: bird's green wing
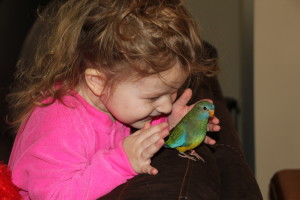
177 137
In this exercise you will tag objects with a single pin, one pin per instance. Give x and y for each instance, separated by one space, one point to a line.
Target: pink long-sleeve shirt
69 150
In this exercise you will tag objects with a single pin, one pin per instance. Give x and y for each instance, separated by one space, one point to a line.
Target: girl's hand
213 126
180 109
143 144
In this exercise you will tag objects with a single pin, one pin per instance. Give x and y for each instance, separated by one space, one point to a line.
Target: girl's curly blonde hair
146 36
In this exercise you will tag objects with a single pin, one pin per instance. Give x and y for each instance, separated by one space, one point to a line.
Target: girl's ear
95 81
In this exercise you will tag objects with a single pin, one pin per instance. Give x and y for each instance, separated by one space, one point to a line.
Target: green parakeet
191 130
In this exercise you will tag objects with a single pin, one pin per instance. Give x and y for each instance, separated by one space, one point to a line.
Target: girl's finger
213 128
148 152
150 170
147 125
209 140
214 120
153 171
184 98
209 100
147 132
154 142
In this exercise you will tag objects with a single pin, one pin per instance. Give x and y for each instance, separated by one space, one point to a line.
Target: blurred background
259 49
16 18
258 45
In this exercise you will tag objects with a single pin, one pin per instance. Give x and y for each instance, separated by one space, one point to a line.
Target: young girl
106 67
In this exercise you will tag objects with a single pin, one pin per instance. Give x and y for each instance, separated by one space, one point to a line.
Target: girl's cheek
173 97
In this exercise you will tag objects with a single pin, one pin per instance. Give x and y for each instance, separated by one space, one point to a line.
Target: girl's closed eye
152 99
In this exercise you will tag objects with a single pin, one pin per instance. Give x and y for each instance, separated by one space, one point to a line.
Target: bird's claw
192 156
194 153
184 155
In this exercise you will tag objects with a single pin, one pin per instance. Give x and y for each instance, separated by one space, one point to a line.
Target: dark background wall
16 18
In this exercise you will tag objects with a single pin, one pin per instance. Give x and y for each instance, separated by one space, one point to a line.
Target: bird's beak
211 113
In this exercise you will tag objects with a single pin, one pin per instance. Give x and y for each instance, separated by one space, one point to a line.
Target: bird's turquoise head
205 108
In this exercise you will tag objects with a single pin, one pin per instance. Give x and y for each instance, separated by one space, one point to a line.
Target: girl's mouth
147 119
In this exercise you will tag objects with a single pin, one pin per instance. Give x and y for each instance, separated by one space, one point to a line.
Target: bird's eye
204 108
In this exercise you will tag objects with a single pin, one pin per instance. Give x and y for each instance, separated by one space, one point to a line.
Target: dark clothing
224 175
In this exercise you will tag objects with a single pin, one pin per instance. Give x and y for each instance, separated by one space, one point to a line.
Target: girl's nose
165 105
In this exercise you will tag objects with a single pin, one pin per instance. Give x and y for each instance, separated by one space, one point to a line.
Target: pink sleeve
53 161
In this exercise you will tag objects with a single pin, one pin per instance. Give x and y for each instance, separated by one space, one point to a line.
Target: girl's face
134 102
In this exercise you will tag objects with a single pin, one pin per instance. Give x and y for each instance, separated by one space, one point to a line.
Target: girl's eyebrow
172 84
